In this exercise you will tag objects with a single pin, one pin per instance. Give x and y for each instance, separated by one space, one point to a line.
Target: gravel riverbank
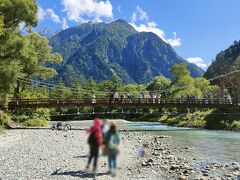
50 154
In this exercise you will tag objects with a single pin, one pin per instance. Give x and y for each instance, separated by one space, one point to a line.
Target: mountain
225 62
98 50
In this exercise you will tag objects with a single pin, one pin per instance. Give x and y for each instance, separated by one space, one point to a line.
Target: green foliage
134 89
196 119
223 119
15 12
225 62
5 120
116 82
34 92
97 50
21 55
235 125
159 83
2 31
36 122
60 91
182 83
29 117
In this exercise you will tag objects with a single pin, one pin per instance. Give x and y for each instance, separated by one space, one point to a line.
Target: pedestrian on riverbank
94 141
112 140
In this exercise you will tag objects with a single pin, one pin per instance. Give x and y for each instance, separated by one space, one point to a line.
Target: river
207 145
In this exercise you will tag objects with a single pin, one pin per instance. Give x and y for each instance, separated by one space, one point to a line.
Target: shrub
5 120
235 125
36 122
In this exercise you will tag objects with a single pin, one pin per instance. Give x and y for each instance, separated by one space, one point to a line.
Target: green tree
35 54
106 87
15 12
116 82
21 55
92 84
182 83
1 26
158 83
60 91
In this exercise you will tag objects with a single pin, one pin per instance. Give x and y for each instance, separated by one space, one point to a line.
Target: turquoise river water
208 145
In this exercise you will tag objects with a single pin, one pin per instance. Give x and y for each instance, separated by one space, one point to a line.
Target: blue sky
197 29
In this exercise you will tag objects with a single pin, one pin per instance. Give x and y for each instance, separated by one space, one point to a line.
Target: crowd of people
162 98
105 137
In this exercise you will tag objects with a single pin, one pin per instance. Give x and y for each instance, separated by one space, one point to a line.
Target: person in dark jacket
112 141
94 141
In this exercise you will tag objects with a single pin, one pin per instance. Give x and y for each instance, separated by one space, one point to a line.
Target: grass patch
5 120
36 122
235 125
196 119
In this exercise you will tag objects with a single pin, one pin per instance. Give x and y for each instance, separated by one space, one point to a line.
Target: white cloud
142 15
151 26
64 24
198 61
55 18
49 13
134 17
41 14
78 10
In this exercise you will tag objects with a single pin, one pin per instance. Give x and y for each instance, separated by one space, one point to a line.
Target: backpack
92 140
114 141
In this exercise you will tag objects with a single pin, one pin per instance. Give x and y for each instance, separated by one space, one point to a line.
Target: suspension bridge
228 81
105 102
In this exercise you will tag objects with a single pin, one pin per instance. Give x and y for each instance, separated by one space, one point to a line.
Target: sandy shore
51 154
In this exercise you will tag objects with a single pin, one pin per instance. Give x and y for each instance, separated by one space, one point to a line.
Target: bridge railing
106 101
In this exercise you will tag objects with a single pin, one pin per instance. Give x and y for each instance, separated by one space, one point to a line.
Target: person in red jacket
94 141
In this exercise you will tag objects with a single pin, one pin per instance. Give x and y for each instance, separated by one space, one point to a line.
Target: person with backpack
112 141
94 141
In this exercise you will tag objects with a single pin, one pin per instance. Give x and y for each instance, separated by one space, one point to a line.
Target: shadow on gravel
82 156
80 174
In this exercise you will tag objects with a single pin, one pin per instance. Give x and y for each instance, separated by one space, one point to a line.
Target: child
143 150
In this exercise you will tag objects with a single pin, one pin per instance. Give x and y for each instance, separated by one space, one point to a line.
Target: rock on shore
47 154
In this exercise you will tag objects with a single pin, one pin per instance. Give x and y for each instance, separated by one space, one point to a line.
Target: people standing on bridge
206 99
178 99
94 141
147 97
112 140
141 98
115 97
154 98
229 98
123 97
93 98
159 98
188 98
129 98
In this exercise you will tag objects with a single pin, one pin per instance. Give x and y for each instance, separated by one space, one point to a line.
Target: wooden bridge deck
105 102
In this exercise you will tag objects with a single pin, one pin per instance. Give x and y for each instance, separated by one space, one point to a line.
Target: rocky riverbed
51 154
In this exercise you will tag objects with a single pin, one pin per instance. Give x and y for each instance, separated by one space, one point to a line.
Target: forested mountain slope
225 62
98 50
